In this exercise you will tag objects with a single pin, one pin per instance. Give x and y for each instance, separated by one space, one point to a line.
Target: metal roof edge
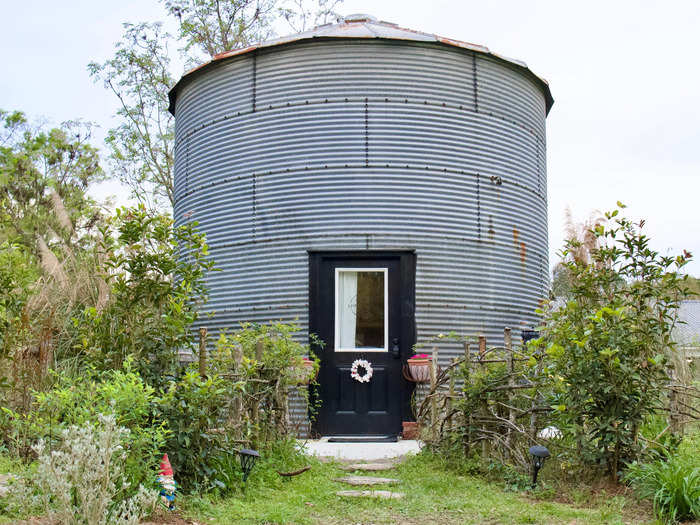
324 32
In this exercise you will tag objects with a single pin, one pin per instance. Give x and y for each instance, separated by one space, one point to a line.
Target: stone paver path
366 480
381 494
368 467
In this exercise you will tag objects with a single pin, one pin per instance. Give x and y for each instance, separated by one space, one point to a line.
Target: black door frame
407 278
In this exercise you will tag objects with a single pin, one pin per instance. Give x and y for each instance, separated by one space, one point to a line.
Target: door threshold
363 439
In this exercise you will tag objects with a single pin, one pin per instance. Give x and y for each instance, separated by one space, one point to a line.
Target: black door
361 306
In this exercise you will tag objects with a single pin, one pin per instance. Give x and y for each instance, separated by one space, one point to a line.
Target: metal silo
362 158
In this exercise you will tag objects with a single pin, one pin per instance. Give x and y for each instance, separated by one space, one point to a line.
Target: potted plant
411 430
419 367
305 371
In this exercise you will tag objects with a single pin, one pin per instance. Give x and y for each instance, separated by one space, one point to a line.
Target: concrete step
381 494
366 480
368 467
360 452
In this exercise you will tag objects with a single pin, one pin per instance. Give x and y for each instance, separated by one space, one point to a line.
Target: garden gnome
167 483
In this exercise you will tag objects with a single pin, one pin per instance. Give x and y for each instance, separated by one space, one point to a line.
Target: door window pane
360 310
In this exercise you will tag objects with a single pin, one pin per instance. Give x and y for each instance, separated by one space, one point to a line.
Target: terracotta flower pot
411 430
419 369
305 373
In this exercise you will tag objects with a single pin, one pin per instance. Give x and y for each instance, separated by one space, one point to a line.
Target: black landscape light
248 459
539 454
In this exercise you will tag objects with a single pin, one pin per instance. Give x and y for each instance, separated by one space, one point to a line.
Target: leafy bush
82 481
79 401
156 277
193 408
279 352
607 348
242 401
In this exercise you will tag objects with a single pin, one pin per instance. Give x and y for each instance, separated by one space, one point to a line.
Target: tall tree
301 15
139 74
44 176
215 26
141 146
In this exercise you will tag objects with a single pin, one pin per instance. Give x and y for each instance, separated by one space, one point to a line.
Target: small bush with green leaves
193 408
79 400
265 360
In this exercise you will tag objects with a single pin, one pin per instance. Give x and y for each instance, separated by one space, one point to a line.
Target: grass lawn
433 495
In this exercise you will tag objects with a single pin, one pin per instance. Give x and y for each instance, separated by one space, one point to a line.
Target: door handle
395 349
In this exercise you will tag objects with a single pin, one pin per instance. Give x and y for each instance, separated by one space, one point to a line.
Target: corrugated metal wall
371 144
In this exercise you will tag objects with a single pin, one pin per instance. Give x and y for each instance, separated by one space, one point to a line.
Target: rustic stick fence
495 407
261 408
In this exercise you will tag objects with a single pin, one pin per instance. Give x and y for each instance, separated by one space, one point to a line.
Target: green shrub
672 484
79 401
193 408
155 274
281 352
265 359
607 347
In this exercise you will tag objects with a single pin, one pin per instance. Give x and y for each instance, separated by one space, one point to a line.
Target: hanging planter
305 373
419 368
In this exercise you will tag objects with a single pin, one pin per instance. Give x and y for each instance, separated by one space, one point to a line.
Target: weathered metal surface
362 145
361 27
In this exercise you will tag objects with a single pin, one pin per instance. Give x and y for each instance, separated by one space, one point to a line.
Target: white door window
361 302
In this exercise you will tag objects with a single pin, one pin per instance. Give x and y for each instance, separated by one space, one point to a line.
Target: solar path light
539 454
248 459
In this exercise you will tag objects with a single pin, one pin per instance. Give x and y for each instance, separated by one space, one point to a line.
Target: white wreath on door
361 363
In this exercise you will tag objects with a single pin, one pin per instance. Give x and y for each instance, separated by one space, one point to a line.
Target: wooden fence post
255 416
259 351
485 449
482 346
433 392
238 406
451 393
203 351
508 340
467 378
536 398
673 416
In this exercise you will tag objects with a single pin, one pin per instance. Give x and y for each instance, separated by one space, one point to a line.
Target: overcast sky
625 77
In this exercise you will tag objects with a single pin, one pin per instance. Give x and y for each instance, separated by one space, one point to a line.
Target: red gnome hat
165 468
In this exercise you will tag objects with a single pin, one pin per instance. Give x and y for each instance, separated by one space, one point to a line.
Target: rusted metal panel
369 145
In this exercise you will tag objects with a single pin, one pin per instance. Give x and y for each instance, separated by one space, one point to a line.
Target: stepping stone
381 494
368 467
365 480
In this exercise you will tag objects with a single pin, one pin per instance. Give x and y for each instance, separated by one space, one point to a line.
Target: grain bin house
377 184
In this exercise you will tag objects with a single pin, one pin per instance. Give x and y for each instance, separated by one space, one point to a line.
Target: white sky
625 77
